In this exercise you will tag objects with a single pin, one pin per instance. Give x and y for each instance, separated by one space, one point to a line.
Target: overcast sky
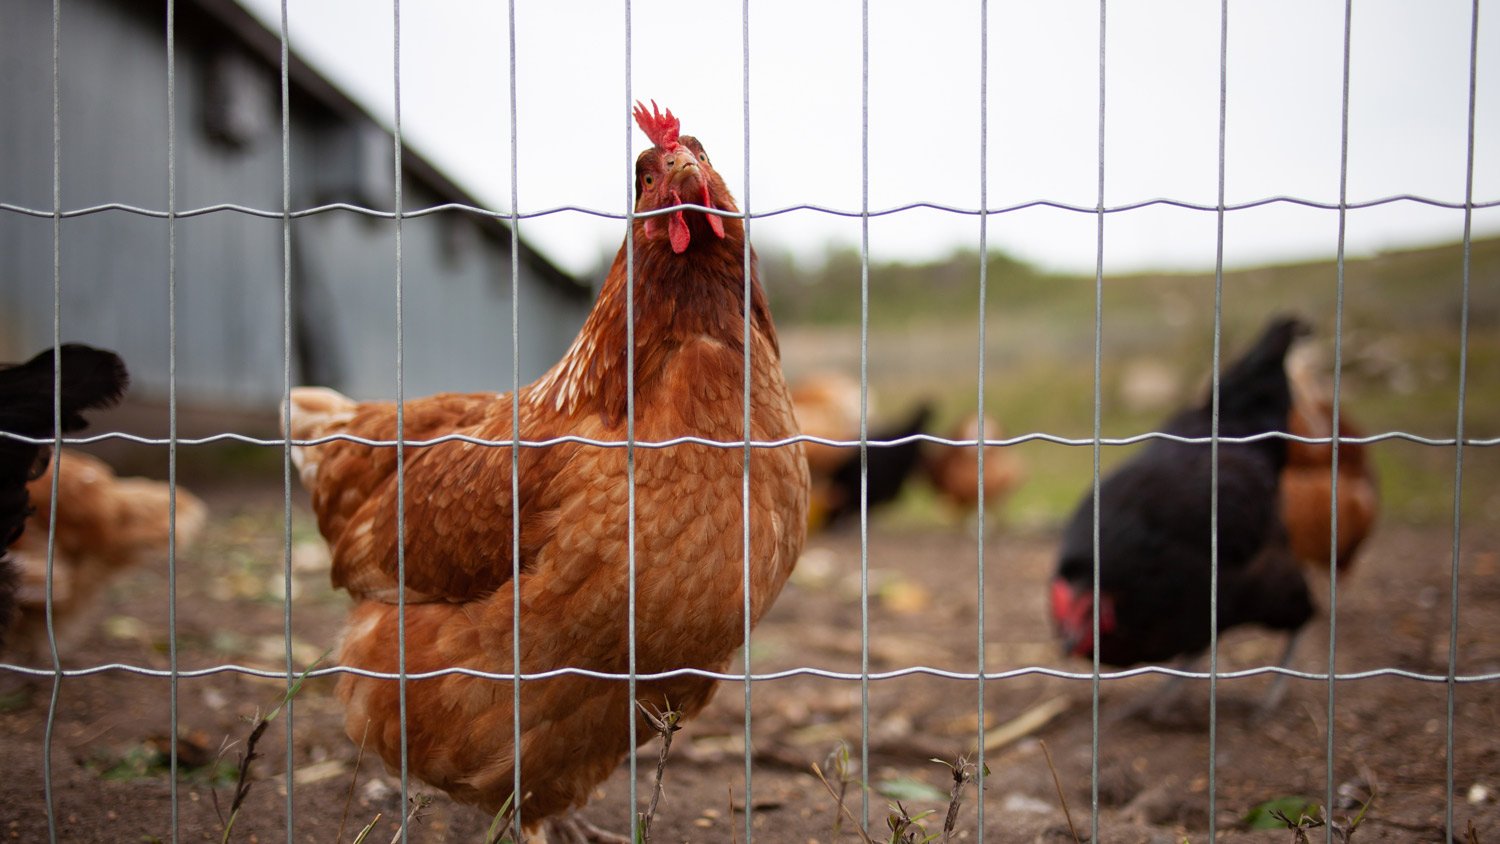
1408 116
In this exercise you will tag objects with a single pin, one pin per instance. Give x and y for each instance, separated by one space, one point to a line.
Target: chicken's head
1073 616
676 171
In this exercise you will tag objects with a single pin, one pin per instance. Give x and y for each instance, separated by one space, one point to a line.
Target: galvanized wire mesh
865 676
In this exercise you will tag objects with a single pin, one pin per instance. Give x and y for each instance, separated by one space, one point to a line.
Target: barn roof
265 45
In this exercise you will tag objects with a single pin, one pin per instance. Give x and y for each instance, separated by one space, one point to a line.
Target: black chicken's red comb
661 128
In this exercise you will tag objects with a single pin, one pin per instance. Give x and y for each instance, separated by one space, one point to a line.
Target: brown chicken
827 406
954 471
105 524
573 547
1307 481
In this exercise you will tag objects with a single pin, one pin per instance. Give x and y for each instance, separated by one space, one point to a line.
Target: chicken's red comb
661 128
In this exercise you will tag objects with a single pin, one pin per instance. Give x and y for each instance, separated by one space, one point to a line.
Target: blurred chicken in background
105 525
836 496
1307 481
89 379
826 404
954 470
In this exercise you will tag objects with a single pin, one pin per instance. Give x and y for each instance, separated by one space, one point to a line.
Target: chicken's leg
1159 698
1277 692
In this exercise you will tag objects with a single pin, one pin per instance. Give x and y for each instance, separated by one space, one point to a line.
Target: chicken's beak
686 183
683 170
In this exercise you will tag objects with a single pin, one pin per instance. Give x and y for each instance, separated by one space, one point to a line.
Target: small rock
1024 804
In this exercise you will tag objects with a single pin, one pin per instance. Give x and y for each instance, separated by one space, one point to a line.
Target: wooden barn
235 274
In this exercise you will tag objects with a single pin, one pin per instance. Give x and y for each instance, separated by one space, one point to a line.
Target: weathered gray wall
229 268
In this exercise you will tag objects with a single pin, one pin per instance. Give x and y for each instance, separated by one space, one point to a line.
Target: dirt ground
108 771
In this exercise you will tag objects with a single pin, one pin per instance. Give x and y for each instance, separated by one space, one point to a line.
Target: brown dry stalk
1057 783
665 723
963 771
418 803
838 762
858 827
353 778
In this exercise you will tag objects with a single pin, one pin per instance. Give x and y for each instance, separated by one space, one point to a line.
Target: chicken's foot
573 829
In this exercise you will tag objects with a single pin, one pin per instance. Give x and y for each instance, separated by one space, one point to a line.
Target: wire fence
865 676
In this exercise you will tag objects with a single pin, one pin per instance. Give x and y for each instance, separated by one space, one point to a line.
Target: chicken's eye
703 157
649 180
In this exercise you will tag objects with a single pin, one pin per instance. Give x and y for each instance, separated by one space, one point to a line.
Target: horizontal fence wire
784 674
1134 439
274 214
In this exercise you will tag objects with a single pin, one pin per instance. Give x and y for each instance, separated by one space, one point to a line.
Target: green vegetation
1400 352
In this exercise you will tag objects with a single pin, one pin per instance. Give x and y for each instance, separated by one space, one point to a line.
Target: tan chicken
573 553
105 524
954 471
827 406
1307 480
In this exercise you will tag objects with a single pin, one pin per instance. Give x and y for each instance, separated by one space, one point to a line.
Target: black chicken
888 468
1155 529
91 379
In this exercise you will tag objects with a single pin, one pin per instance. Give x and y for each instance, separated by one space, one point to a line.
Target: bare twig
1026 723
418 803
242 780
1057 783
733 837
838 764
1300 826
353 778
963 772
858 827
665 723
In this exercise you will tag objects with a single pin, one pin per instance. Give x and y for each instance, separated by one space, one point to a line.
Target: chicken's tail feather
91 379
315 412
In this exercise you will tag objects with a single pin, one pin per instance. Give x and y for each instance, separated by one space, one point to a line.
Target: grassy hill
1400 353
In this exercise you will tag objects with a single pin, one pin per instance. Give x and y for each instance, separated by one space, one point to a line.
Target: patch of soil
108 736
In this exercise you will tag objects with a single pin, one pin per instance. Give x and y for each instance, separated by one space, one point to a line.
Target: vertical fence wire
1333 487
1213 510
745 475
1333 594
630 572
400 432
515 435
283 72
864 415
1097 443
981 448
1213 543
57 676
172 711
1458 446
